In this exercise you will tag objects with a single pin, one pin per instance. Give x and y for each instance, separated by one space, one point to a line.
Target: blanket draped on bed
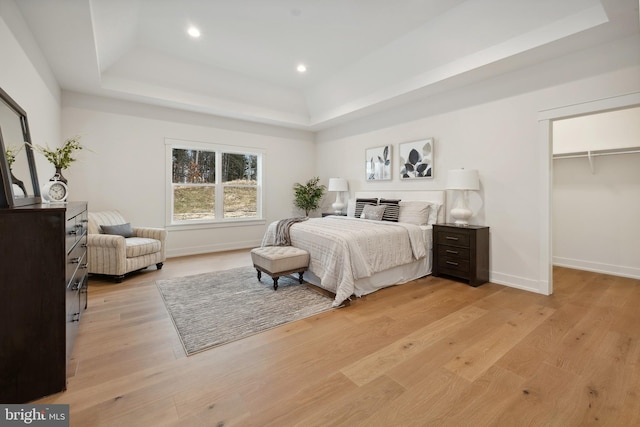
282 237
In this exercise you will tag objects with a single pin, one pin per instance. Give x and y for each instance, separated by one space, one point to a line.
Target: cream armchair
115 248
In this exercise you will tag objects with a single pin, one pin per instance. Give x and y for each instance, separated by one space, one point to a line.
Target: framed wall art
416 159
378 163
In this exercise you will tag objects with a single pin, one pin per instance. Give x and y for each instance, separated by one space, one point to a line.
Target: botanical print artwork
416 159
378 163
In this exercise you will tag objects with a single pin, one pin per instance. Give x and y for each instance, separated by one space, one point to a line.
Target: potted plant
61 158
307 196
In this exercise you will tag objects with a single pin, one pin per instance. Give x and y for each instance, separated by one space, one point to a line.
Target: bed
354 256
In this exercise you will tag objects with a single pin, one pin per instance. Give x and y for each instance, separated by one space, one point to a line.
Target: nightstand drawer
455 266
445 251
453 237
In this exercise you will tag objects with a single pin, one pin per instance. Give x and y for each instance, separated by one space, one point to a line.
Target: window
210 183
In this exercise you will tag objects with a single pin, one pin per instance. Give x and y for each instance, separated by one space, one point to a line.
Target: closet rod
594 154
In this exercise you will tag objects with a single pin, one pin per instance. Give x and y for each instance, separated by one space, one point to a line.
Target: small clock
55 190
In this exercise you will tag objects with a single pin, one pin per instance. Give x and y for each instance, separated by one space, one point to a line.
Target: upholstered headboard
438 196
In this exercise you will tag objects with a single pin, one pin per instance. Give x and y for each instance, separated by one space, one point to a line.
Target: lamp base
338 205
461 212
461 216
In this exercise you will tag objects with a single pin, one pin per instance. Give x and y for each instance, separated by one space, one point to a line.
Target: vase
59 176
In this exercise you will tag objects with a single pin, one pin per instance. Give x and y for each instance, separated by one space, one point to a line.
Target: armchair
125 248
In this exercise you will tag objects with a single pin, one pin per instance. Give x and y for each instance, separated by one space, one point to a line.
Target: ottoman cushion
280 259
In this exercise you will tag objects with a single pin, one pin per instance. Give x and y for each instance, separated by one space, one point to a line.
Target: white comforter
344 249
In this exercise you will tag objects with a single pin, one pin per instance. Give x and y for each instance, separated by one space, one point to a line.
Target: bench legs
276 277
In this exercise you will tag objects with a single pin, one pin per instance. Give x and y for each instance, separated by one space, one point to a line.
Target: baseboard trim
597 267
518 282
197 250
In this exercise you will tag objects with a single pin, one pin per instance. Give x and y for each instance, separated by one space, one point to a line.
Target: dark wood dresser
461 252
43 277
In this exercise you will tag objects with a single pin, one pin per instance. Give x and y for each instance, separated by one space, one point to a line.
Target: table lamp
462 180
338 185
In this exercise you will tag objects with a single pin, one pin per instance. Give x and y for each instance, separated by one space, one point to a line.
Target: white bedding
352 256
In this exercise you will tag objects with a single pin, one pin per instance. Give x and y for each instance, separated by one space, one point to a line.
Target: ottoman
279 261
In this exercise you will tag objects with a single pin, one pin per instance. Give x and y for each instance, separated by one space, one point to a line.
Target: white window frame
219 220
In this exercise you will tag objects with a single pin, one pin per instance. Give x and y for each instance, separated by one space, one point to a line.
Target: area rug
212 309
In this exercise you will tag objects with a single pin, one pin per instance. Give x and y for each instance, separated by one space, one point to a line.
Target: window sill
216 224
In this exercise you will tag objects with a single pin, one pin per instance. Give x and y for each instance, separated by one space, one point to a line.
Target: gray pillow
373 212
124 230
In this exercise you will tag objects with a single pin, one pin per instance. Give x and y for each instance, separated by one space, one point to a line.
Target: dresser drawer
76 260
453 237
75 228
446 251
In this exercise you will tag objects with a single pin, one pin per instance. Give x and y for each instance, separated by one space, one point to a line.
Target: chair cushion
277 259
139 246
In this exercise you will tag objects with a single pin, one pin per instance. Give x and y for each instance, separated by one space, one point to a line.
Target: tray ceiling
361 55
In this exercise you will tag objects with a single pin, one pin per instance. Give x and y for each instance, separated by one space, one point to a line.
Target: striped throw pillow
392 210
360 204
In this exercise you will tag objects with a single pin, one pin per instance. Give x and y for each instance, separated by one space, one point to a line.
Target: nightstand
461 252
332 213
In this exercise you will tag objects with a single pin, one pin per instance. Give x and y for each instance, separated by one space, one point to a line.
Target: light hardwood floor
432 352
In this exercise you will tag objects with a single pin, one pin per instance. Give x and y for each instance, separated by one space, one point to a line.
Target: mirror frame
7 197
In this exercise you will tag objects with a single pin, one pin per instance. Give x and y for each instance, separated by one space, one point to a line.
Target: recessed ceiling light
193 32
301 68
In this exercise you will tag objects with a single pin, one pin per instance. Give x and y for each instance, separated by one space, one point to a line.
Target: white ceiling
362 55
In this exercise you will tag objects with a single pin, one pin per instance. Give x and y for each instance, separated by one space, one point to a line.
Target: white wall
491 127
124 166
26 77
605 131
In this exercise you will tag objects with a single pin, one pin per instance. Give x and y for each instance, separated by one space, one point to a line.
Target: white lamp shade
463 179
338 184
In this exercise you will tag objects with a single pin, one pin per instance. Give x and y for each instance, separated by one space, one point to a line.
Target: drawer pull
73 232
75 260
75 317
452 263
85 265
449 251
76 286
451 238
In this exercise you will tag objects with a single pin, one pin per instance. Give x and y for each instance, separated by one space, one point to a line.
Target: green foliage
61 157
11 153
308 196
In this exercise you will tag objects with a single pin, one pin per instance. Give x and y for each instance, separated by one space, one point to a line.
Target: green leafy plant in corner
61 158
308 196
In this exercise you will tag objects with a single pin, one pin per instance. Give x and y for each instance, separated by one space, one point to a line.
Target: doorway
546 119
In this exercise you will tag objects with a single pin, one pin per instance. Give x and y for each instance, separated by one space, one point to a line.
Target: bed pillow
373 212
434 210
392 210
414 212
351 207
123 230
361 203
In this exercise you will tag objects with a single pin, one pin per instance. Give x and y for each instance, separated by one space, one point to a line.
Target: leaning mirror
19 176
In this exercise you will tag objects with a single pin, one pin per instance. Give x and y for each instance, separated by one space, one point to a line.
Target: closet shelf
596 153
